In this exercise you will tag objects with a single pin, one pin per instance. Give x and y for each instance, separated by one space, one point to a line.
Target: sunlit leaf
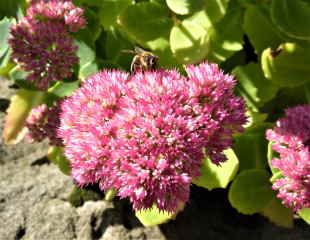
251 191
21 104
213 176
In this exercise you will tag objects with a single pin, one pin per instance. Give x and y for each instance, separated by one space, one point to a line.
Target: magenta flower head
145 134
58 10
44 49
41 42
291 139
43 122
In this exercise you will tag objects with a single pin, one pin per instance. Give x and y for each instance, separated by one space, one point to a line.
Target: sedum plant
232 76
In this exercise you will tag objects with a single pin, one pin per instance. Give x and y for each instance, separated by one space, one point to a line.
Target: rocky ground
34 205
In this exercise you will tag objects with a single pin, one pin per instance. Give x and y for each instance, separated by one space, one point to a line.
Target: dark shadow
4 104
209 215
40 161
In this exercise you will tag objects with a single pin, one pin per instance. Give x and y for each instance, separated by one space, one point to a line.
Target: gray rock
115 232
95 218
51 220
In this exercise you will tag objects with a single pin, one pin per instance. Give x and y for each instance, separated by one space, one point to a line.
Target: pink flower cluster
43 122
42 44
291 139
145 134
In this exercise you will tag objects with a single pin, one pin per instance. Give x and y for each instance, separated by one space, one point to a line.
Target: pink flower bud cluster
61 11
43 122
42 44
145 134
291 139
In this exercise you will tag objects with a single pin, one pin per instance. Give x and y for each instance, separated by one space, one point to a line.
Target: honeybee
143 60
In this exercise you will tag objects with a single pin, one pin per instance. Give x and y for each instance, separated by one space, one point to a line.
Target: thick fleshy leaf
63 89
213 11
184 7
87 60
278 214
21 104
155 16
10 8
213 176
292 18
88 69
251 147
305 214
19 77
189 42
153 216
5 25
114 48
251 191
260 29
6 64
271 154
287 66
146 22
56 155
253 86
92 31
110 11
226 37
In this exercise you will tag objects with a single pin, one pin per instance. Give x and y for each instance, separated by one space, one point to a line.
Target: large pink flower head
41 42
291 139
144 135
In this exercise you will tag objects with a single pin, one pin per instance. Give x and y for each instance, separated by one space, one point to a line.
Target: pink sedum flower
41 42
291 139
42 123
45 50
58 10
144 135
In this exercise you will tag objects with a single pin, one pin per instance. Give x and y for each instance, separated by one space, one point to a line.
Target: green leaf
251 191
276 176
146 22
6 65
87 59
226 37
260 29
305 214
5 25
278 214
155 16
92 31
10 8
19 76
271 154
88 69
213 11
64 89
114 46
213 176
184 7
287 66
216 9
292 18
189 42
251 147
21 104
153 216
56 155
253 86
111 10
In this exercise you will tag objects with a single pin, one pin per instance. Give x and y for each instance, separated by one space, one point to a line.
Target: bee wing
139 50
